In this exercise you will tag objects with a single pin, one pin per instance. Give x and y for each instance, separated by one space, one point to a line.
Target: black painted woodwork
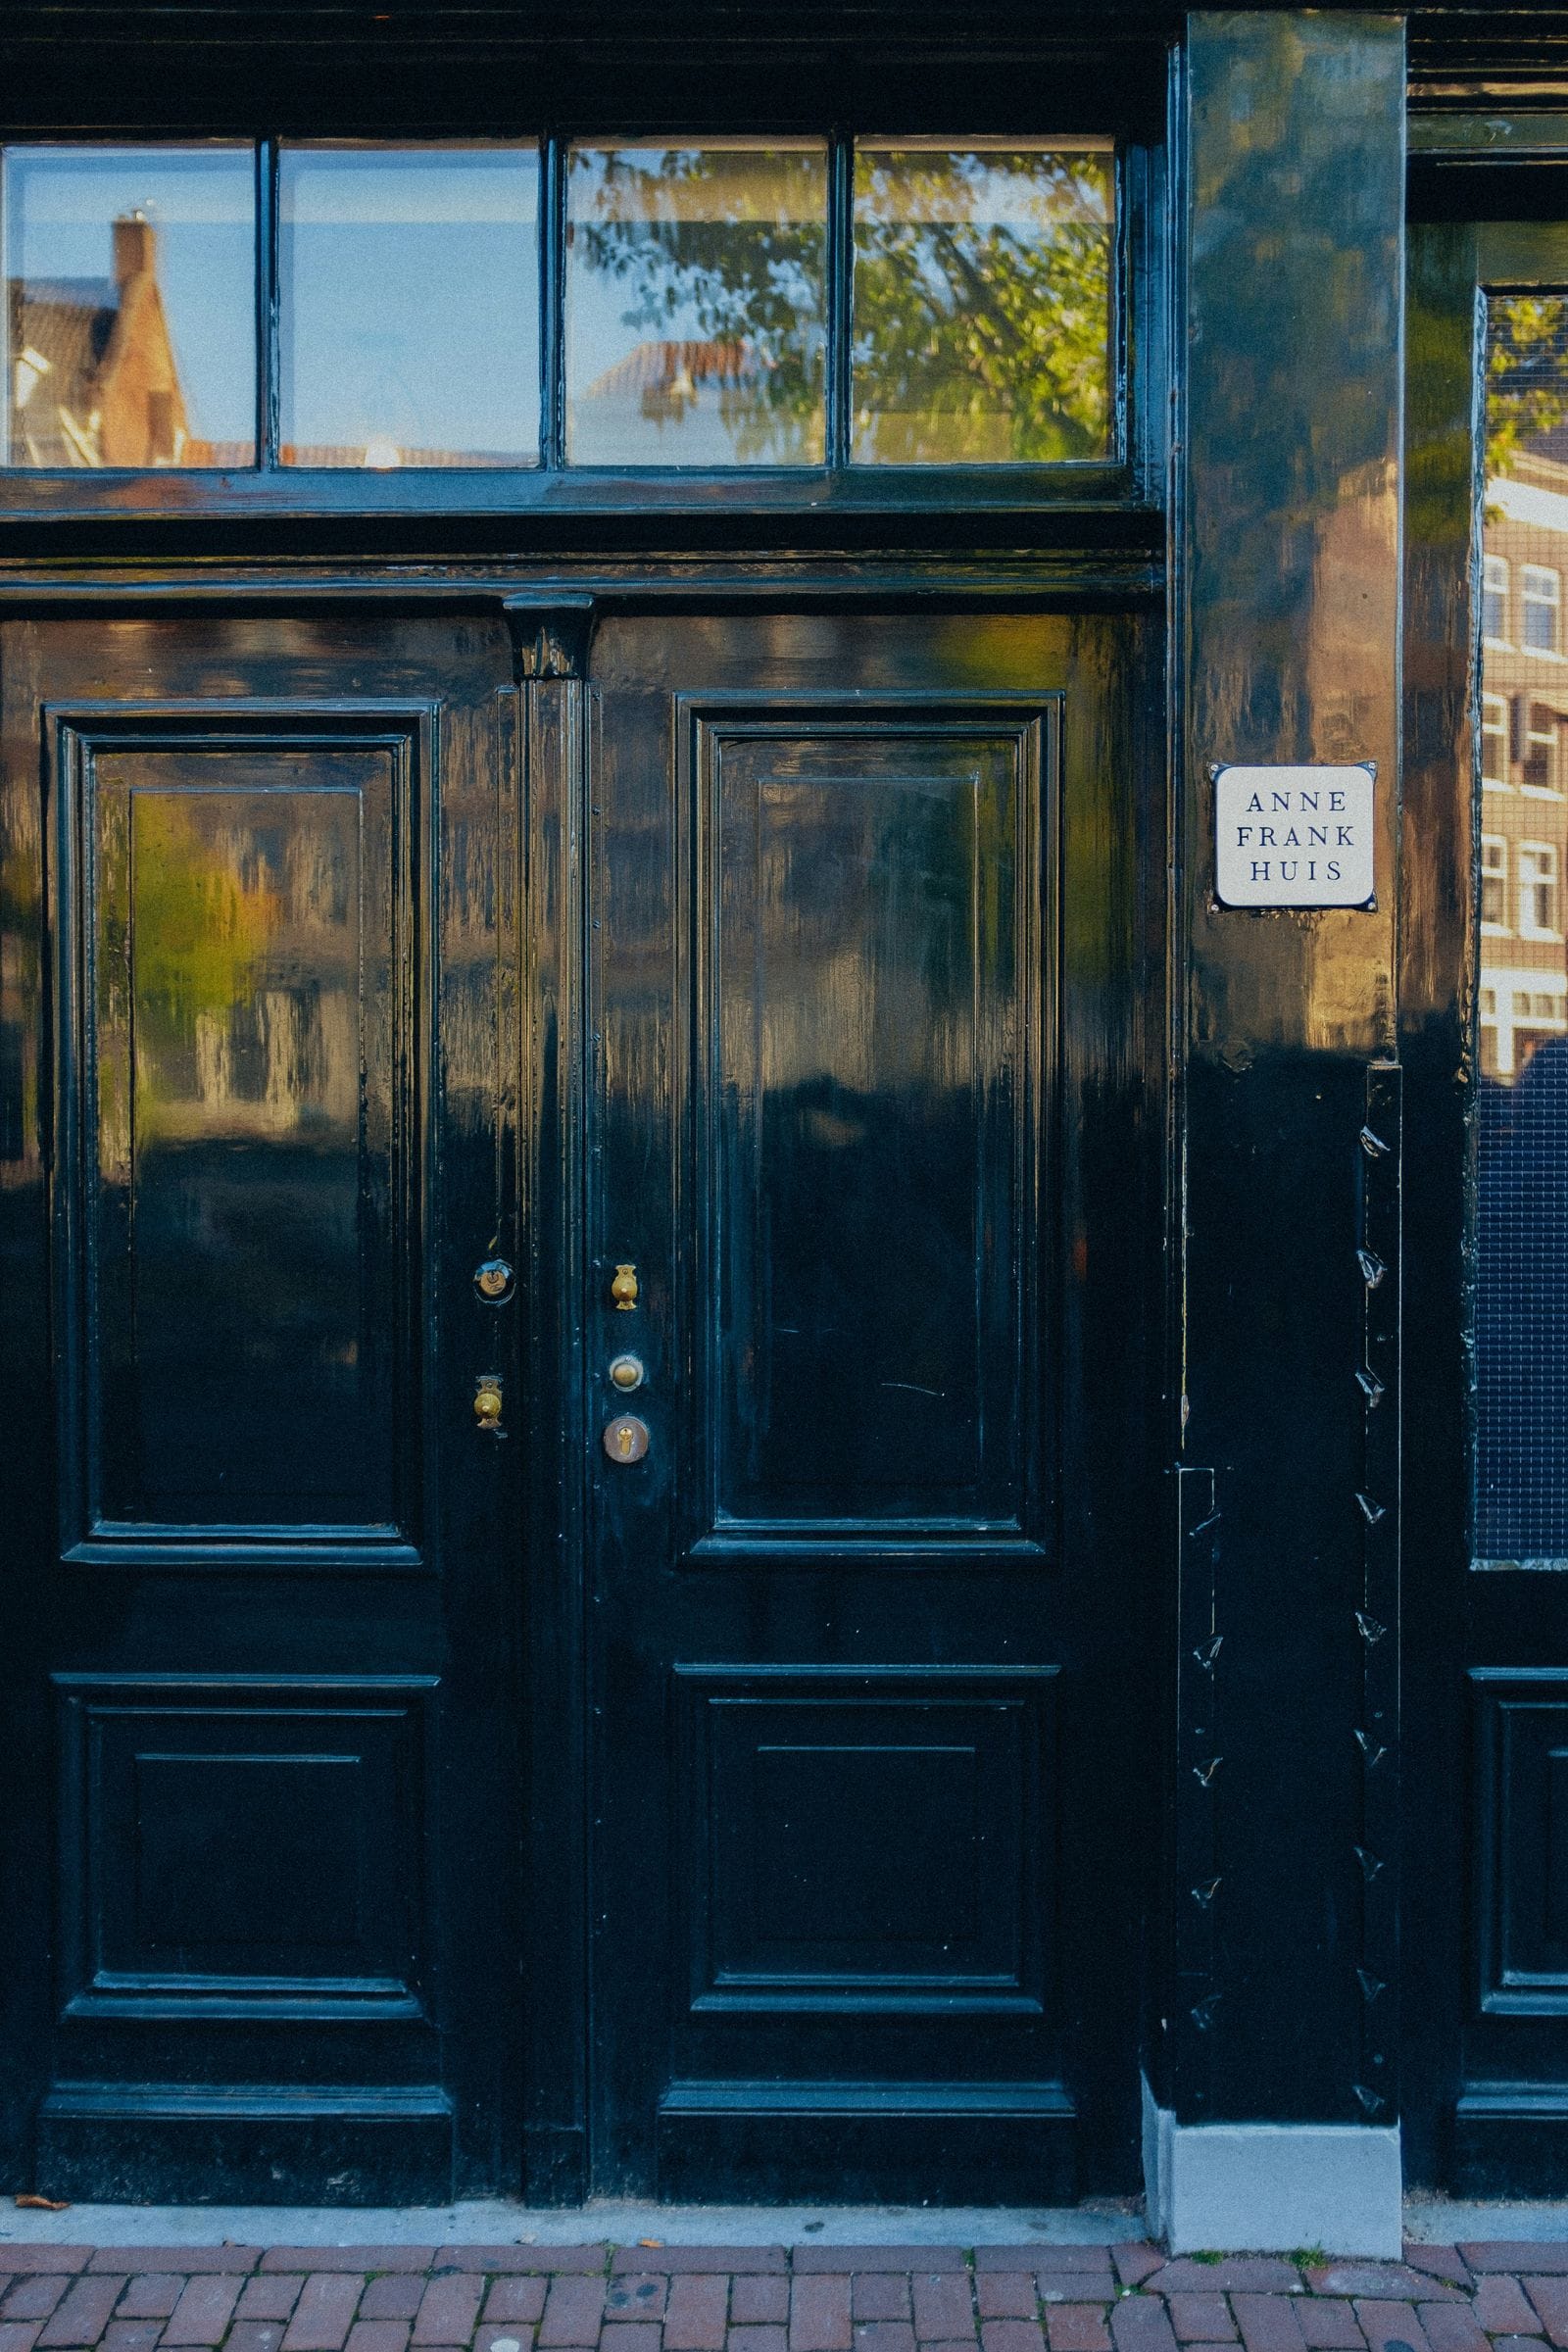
805 950
1286 648
262 1043
873 1014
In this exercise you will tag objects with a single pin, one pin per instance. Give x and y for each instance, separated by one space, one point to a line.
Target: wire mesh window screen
1521 1192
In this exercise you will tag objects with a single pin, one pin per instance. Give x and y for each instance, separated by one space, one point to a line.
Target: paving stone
1442 2262
1450 2328
1381 2281
537 2259
1075 2286
449 2309
130 2335
819 2315
1385 2322
573 2309
26 2256
519 2302
1243 2274
1513 2254
637 2297
255 2335
1548 2295
1137 2260
517 2337
757 2340
1074 2328
630 2336
34 2297
805 2259
82 2317
1202 2319
943 2307
1268 2322
310 2261
760 2300
324 2312
204 2310
1013 2335
884 2335
378 2335
1005 2294
1502 2308
396 2297
722 2259
1514 2344
1327 2323
1139 2323
18 2336
152 2295
186 2260
1042 2255
696 2315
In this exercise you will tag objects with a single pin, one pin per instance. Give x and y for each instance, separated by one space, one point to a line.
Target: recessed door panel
867 901
246 1024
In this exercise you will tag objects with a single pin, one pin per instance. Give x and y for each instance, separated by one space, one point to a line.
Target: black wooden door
260 1597
874 1005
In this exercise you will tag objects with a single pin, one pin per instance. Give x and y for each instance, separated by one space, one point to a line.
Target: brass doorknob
624 1290
487 1403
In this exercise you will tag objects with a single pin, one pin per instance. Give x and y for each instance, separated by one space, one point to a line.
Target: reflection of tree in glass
1527 373
736 240
982 303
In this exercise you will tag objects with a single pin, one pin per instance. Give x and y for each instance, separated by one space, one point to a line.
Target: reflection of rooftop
671 374
94 379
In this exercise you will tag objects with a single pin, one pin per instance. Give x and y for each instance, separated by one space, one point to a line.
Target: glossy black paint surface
874 947
1288 649
265 1636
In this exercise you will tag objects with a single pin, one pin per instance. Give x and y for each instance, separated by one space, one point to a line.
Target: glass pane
409 306
695 305
982 303
130 305
1521 1236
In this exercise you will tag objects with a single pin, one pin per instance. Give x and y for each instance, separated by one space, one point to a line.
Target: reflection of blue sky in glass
704 345
410 305
59 207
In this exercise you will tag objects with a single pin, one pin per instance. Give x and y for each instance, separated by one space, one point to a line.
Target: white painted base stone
1267 2188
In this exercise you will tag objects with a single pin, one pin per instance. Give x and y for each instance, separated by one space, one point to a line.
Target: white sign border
1308 905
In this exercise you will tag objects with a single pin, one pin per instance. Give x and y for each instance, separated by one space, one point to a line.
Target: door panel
267 1647
879 1131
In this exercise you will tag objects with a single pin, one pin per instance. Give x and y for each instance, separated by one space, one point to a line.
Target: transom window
785 303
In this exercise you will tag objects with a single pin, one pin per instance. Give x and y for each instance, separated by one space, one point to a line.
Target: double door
581 1353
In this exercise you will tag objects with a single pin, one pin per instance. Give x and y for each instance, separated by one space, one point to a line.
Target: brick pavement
657 2298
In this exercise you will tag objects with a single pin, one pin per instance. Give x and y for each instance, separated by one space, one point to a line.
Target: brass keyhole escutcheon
626 1373
624 1290
487 1404
627 1439
493 1281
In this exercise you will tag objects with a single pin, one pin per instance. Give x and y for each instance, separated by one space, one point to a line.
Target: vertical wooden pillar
1279 2011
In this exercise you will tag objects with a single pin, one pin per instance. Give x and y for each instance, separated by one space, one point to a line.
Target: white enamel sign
1294 836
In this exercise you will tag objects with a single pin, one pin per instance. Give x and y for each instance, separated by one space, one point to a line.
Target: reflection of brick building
1524 766
94 377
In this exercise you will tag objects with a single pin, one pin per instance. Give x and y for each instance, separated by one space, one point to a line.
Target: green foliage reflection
1527 373
982 305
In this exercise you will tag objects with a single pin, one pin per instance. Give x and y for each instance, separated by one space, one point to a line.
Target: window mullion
267 305
551 302
840 292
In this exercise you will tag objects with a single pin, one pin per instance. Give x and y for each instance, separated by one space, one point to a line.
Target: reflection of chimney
135 247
